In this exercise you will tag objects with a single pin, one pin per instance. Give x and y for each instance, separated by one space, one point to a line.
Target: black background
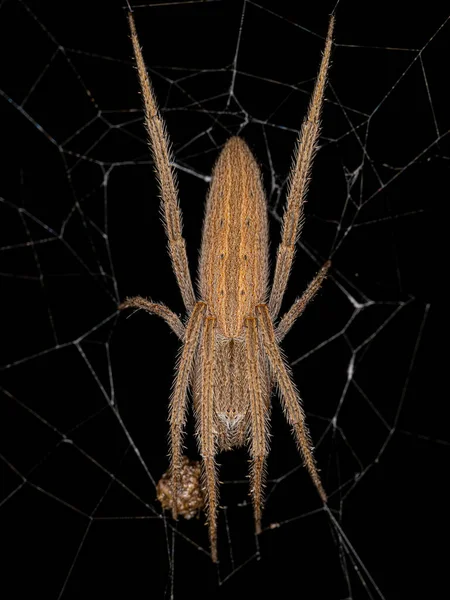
80 518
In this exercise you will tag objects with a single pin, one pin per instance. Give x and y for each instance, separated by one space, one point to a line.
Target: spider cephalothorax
230 343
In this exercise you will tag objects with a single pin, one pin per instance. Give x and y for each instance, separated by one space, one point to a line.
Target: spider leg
258 419
289 318
160 148
289 396
178 402
207 432
156 308
298 183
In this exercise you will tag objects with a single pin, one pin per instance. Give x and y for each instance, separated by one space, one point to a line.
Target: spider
230 357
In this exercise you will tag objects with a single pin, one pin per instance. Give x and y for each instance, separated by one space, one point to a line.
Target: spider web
85 390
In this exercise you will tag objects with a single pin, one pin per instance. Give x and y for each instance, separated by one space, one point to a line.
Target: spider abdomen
234 254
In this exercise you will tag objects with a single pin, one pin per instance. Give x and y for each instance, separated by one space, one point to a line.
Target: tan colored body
233 280
235 245
230 339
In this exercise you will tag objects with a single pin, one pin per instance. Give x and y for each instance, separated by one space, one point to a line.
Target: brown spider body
235 245
230 355
233 279
232 414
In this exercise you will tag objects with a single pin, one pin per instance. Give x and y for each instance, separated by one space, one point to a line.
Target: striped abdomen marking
234 254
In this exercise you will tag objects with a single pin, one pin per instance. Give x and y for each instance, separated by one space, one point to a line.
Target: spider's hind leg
160 147
299 181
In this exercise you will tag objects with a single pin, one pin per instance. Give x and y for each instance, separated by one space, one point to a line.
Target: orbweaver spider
230 341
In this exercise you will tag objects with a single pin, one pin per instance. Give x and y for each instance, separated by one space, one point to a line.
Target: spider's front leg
259 415
289 395
178 402
207 433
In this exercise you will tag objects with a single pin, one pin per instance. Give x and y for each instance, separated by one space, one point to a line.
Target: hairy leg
289 396
160 148
298 184
301 303
178 402
207 434
156 308
258 419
